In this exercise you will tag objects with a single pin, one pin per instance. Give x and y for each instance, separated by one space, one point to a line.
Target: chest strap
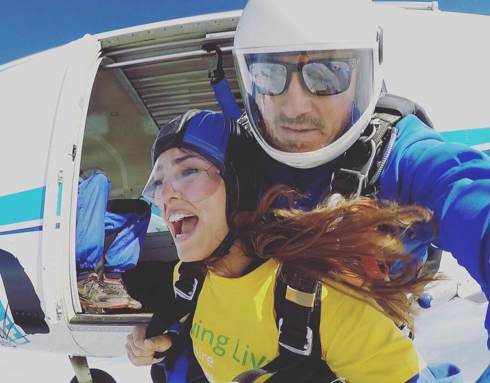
360 167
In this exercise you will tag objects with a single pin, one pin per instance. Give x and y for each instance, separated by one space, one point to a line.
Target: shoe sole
85 303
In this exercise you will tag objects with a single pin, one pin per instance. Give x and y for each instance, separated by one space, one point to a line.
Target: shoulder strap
297 307
359 168
396 105
361 165
187 289
296 300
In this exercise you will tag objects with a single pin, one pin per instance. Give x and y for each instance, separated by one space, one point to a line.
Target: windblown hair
348 246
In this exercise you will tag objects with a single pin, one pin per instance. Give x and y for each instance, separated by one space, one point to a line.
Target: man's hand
140 350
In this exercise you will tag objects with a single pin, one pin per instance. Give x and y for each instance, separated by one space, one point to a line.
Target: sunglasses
324 77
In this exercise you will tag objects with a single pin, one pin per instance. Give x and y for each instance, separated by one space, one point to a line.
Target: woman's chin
188 255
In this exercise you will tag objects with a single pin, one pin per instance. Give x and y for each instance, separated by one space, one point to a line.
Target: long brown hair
348 246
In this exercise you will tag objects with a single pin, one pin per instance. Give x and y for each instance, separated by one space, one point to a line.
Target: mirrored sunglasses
324 77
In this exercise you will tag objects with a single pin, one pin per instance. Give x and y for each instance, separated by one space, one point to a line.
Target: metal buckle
309 341
183 295
244 122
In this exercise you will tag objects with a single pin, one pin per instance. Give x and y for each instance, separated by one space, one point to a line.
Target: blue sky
29 26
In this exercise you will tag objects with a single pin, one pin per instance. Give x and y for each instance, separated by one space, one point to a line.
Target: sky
29 26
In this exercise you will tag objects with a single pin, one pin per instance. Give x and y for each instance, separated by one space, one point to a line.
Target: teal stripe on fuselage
58 203
469 137
23 206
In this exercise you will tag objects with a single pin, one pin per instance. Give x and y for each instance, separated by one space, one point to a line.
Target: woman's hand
141 351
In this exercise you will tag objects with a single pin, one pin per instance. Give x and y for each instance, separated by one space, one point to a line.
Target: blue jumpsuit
450 179
94 222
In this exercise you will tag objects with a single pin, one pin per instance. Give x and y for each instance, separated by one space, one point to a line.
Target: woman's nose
297 100
167 192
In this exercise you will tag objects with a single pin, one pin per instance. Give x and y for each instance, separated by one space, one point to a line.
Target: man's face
300 121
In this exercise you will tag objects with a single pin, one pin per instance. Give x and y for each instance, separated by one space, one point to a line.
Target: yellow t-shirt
234 330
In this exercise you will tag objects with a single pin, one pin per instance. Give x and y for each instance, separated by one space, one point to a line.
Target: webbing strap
297 307
364 160
293 297
187 289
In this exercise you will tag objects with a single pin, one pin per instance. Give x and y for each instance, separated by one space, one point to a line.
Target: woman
242 256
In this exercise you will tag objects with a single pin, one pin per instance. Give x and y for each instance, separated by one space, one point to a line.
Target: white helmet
309 74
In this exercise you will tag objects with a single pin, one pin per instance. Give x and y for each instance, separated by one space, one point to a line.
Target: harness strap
297 306
361 165
294 301
187 289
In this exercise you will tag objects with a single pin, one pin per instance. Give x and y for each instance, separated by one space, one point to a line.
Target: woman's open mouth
183 225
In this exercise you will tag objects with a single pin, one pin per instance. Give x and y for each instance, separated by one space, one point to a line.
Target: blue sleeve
453 181
439 373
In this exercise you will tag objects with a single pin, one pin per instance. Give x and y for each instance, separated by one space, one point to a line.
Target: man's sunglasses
324 77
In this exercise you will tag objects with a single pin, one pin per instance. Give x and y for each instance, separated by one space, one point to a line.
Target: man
310 77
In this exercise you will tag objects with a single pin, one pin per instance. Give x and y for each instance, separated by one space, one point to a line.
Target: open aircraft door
97 102
43 103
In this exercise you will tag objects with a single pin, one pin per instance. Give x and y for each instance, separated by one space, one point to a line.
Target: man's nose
297 100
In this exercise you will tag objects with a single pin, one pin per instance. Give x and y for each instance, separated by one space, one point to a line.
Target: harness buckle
306 351
187 296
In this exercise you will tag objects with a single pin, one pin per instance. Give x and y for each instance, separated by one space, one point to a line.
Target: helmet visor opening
303 101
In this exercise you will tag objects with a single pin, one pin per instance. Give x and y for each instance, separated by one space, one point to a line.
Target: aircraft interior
138 88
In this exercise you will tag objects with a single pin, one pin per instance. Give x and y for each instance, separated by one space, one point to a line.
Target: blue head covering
208 134
205 132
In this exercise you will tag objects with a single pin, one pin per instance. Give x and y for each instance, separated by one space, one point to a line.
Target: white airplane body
99 102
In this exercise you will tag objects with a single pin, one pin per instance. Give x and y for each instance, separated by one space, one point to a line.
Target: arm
453 181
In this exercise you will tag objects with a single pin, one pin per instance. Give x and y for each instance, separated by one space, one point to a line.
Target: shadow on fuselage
24 303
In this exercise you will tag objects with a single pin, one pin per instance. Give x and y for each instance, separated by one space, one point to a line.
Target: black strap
297 305
187 289
359 168
293 319
396 105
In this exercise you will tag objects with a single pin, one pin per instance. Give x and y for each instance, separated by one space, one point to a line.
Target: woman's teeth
182 223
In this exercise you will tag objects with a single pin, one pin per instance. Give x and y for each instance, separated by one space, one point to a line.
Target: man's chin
295 147
297 141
